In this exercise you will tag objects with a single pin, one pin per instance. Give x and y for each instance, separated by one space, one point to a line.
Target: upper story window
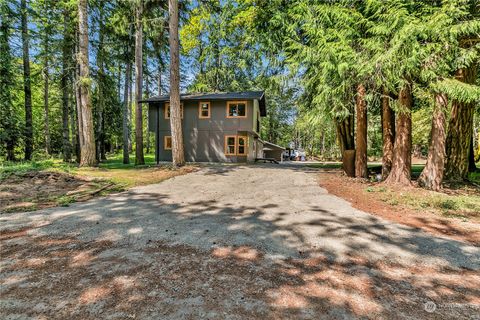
236 109
204 110
167 110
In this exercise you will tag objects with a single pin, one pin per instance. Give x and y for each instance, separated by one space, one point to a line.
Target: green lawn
32 185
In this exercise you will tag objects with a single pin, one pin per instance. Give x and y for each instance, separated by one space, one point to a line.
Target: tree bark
345 137
402 150
178 154
147 93
361 170
432 175
472 167
388 134
139 158
100 145
460 130
126 124
160 91
87 141
27 87
66 53
46 107
130 99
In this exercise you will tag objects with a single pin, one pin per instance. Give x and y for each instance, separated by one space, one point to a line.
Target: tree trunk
160 91
100 145
74 114
147 93
472 167
46 76
460 129
130 99
27 88
139 159
361 170
432 175
178 154
388 134
402 150
126 124
345 137
66 53
87 142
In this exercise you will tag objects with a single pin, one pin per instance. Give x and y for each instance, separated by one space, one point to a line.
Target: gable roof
244 95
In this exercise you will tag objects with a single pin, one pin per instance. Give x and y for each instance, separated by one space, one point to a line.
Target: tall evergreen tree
178 153
27 87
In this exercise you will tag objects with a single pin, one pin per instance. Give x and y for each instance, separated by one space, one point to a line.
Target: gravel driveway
262 241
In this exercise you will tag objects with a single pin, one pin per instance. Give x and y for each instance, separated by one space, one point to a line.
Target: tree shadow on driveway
153 255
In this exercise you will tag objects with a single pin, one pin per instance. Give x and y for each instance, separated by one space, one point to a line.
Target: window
230 145
236 109
236 145
204 110
242 146
167 110
167 143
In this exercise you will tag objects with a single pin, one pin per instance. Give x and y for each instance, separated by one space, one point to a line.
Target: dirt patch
408 206
136 177
43 189
58 278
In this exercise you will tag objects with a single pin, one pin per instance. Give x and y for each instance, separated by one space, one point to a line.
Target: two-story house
217 127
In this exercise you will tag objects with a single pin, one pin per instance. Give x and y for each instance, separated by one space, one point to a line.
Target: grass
110 176
464 206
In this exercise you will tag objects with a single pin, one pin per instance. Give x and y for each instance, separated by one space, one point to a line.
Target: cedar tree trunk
126 123
432 175
101 91
178 154
361 170
87 142
460 129
139 159
66 53
388 134
46 76
402 150
345 136
472 167
27 88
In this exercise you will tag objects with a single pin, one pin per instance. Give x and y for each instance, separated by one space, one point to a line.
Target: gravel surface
269 223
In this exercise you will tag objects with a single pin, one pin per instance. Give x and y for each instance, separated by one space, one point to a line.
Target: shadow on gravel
143 264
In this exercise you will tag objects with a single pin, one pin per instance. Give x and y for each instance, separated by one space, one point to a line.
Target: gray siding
204 139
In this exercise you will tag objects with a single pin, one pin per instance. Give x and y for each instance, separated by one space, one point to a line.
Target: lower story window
242 146
236 145
167 143
230 145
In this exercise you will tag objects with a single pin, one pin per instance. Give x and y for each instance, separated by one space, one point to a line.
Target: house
217 127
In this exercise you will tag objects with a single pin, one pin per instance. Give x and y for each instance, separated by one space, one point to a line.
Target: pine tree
86 131
178 154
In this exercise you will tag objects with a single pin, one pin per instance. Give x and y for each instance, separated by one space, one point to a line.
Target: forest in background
384 78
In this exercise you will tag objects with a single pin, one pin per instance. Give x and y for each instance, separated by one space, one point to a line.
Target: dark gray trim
245 95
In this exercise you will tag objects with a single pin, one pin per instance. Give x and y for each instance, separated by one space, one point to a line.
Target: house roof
271 146
245 95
